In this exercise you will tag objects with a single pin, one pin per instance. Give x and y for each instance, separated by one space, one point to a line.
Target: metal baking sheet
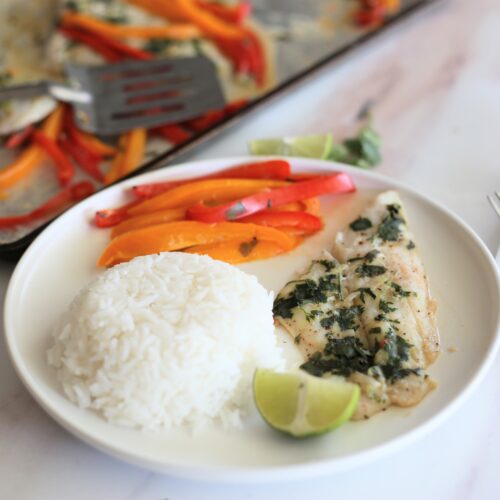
302 38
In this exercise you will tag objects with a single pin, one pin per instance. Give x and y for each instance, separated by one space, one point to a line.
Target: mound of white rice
166 340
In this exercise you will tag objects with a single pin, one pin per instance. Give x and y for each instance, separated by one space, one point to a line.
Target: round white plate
463 279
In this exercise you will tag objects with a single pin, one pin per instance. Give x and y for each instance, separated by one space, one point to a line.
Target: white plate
463 279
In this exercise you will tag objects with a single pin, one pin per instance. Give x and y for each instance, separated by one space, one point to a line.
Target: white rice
166 340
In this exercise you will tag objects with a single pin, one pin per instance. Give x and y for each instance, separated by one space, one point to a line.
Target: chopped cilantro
367 270
345 317
389 229
410 245
365 291
360 224
402 293
386 306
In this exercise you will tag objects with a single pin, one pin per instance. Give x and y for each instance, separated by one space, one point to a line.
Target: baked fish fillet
365 312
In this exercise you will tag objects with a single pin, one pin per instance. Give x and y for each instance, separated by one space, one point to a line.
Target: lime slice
308 146
302 405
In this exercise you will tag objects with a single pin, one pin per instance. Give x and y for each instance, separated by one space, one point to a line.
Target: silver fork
495 202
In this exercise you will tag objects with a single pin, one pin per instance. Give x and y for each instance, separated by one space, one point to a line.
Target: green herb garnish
360 224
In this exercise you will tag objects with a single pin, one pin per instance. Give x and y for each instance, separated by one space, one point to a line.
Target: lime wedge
302 405
308 146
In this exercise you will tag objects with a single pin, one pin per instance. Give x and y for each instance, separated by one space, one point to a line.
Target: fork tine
494 204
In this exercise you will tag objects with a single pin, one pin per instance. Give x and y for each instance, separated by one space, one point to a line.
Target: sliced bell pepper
19 138
130 156
238 251
55 204
233 14
65 169
306 223
211 118
189 11
178 235
110 217
84 140
210 190
173 133
33 155
328 184
88 162
110 48
89 23
104 50
270 169
152 219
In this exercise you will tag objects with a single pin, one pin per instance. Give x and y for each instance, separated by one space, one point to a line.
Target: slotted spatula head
144 94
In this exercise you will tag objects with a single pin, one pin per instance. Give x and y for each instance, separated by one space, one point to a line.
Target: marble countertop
435 89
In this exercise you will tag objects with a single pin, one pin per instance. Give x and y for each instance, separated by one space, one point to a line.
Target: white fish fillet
366 313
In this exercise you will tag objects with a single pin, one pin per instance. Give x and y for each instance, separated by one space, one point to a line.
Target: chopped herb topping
410 245
365 291
312 314
345 317
402 293
360 224
158 45
377 329
389 229
327 264
247 246
340 357
305 292
297 339
367 270
370 256
386 306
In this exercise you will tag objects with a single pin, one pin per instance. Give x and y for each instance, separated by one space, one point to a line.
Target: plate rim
289 472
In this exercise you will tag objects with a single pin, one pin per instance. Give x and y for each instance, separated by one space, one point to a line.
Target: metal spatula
139 94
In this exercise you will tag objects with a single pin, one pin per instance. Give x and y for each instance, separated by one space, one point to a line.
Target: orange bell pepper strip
211 191
146 220
90 143
238 251
174 236
270 169
189 11
130 156
33 155
86 22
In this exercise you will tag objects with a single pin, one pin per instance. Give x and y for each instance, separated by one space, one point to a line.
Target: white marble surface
436 88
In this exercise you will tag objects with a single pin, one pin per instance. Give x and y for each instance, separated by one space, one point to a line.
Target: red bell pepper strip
70 194
210 118
65 169
108 53
173 133
110 217
271 169
88 162
304 221
111 49
231 14
19 138
327 184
